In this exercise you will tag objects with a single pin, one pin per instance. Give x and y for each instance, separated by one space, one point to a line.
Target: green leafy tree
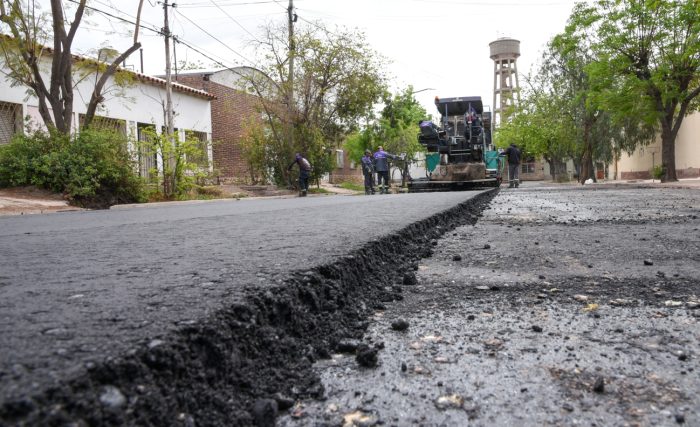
338 79
647 65
395 129
30 33
398 123
185 163
541 129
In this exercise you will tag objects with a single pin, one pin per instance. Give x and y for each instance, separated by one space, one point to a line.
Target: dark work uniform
368 171
304 173
381 165
513 165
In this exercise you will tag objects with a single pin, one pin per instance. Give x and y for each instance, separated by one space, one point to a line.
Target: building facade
638 165
132 109
232 110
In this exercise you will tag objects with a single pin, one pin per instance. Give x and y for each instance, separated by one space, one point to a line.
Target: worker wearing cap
368 171
381 165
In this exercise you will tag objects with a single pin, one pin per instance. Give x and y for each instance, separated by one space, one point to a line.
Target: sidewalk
29 200
681 183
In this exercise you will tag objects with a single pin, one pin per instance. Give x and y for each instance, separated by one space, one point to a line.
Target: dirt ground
31 200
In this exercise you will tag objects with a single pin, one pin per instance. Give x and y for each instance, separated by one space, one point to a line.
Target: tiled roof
142 77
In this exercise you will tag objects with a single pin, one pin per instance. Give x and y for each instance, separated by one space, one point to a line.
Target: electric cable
232 19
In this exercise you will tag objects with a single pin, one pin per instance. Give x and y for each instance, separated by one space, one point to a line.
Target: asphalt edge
251 359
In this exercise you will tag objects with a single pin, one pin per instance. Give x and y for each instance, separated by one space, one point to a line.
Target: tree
396 129
541 128
338 80
23 52
647 68
398 124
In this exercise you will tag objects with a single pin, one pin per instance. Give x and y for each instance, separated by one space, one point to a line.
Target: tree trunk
586 156
668 153
97 97
557 169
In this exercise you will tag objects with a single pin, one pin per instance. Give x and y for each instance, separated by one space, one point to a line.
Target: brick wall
229 113
346 173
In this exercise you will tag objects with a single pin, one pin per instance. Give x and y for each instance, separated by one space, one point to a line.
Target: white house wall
141 102
639 164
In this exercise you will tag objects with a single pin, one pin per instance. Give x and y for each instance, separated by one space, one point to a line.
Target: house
232 109
346 170
132 109
639 164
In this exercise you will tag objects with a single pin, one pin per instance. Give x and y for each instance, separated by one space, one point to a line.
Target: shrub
658 172
92 168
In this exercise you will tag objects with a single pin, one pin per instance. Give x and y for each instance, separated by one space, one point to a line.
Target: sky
438 45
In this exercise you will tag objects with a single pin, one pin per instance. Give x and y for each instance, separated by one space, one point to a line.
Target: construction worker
513 154
304 173
368 171
381 165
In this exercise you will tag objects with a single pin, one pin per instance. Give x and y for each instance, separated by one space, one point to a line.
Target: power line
232 19
204 4
113 7
160 32
215 38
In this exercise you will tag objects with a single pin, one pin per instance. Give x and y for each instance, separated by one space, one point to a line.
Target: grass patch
316 190
349 185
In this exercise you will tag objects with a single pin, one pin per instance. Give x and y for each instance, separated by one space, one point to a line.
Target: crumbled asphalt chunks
235 367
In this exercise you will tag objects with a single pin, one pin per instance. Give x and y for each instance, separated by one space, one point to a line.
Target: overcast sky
438 44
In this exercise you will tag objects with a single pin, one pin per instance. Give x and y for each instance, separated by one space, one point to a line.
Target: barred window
339 159
201 156
105 123
147 151
527 168
10 121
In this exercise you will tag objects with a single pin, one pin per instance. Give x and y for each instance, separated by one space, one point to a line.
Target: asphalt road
82 289
561 306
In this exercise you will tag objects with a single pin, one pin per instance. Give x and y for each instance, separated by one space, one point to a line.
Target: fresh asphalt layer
81 288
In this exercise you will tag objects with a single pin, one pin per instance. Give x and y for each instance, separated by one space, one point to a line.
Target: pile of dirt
250 360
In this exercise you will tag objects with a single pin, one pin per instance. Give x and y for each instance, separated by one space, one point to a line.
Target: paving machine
459 150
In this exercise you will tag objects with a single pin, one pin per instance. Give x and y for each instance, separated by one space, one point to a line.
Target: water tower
504 52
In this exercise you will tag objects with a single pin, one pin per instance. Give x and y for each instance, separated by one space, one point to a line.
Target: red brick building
345 170
230 112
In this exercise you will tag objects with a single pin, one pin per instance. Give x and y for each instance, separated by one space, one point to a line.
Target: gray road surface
82 287
561 306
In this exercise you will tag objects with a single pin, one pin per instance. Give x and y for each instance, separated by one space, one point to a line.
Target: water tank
505 48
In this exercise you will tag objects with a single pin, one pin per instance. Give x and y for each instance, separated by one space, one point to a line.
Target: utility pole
290 102
169 127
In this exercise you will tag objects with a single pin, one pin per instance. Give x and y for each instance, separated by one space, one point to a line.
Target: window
10 121
527 167
105 123
199 155
147 152
339 159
